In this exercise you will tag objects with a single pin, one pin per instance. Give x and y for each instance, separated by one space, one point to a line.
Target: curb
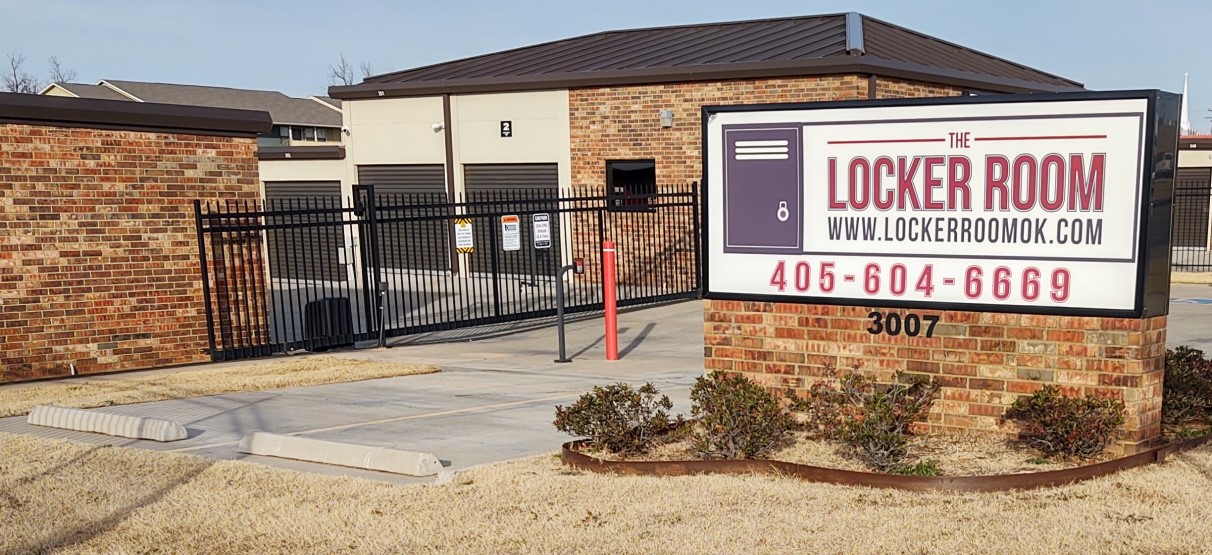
133 427
382 459
959 484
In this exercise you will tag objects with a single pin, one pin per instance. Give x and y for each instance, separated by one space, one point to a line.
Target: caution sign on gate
463 236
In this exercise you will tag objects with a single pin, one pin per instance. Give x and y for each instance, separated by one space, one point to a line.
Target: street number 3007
892 324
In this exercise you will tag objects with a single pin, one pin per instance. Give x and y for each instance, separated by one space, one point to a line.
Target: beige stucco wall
302 170
399 131
540 130
1194 158
394 131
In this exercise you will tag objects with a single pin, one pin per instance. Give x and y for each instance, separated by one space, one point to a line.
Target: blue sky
287 46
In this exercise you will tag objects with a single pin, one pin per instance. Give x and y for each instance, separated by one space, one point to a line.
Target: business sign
999 202
540 230
511 233
464 236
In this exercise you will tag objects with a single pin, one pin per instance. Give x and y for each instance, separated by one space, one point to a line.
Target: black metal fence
312 273
1189 228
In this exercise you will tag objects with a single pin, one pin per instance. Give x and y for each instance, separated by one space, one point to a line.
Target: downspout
450 180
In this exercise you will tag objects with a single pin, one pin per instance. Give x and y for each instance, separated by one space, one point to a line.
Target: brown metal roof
1195 142
811 45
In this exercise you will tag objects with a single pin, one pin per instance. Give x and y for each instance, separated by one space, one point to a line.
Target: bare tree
344 74
58 74
16 79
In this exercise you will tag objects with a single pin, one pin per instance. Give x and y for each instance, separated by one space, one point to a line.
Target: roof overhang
1195 142
332 152
840 65
59 111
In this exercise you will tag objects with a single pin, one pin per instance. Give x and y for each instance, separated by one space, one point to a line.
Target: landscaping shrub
922 468
737 419
1067 426
872 418
1187 393
619 418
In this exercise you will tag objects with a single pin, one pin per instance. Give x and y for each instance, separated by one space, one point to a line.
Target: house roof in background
319 111
282 109
784 47
336 104
81 90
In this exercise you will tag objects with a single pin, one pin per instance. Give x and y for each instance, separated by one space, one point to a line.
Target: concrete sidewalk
493 401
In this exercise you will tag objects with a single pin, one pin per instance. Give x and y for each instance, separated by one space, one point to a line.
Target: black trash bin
328 323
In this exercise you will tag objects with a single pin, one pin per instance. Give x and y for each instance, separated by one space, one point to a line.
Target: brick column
984 360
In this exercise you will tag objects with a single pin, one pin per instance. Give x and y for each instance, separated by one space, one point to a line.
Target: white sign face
1025 204
511 233
540 229
464 241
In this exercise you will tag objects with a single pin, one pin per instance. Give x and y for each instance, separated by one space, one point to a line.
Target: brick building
619 112
98 249
623 107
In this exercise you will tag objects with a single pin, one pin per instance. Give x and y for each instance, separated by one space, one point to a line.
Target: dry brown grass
68 498
124 389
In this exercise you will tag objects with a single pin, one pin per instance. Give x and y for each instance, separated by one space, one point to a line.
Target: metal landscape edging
964 484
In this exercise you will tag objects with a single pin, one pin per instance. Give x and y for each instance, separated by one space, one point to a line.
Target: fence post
210 316
609 301
493 222
369 243
698 253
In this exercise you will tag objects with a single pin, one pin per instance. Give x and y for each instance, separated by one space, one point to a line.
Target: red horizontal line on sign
877 141
1040 138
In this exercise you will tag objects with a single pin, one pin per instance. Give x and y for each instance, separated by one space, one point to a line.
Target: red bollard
608 295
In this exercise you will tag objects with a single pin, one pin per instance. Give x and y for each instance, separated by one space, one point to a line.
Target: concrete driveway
1190 321
493 401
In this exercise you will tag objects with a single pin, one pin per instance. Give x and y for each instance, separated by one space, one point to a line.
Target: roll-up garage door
311 252
481 179
514 188
1192 189
410 200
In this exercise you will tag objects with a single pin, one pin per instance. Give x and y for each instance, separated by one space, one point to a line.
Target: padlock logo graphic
762 188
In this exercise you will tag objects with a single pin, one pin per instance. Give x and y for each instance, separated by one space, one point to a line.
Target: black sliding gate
314 272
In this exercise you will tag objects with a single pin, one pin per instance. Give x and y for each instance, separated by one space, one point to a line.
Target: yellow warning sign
464 242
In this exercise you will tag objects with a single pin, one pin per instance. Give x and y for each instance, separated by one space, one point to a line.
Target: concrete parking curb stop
133 427
382 459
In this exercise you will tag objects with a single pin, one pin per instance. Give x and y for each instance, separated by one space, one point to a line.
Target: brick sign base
984 360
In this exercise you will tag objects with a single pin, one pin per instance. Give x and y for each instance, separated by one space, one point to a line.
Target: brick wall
613 123
98 254
985 361
610 123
